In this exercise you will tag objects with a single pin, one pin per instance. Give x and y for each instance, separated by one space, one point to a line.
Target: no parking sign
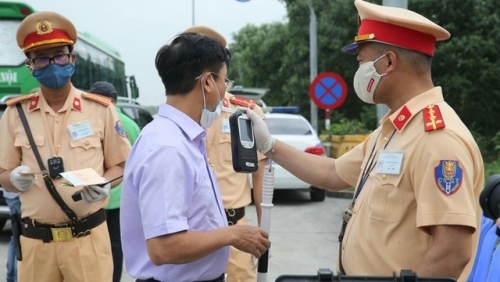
328 90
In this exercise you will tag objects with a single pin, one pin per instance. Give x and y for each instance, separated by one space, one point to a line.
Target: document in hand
82 177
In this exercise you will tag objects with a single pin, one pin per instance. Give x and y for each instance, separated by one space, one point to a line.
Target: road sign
328 90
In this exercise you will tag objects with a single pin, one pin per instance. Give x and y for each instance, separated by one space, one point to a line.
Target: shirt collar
192 129
75 99
401 117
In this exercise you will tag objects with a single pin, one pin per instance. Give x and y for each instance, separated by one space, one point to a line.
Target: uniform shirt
388 229
105 147
235 187
132 130
169 187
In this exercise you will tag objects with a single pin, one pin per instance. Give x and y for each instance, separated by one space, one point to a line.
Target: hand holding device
22 182
77 196
263 138
95 193
243 147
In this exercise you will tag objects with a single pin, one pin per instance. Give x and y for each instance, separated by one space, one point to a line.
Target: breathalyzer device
243 149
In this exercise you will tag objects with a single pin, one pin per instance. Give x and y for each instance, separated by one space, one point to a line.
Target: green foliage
346 127
276 56
491 168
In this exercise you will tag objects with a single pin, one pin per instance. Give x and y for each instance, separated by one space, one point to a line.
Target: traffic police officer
234 187
418 176
75 130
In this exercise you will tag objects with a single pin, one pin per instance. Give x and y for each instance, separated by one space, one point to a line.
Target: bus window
10 55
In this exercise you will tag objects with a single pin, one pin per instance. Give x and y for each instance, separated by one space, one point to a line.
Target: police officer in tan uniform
73 130
235 187
417 176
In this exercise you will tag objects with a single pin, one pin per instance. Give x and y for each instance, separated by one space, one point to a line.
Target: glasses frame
51 60
228 82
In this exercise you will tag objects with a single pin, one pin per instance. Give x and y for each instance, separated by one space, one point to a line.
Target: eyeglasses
229 83
42 62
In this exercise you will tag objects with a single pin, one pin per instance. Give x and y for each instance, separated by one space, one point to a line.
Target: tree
256 58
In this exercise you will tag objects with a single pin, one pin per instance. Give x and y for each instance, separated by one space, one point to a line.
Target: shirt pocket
386 198
87 143
225 146
22 141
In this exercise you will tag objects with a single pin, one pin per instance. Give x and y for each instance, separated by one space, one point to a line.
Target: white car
296 131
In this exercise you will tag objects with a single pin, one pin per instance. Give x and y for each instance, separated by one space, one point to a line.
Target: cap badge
43 27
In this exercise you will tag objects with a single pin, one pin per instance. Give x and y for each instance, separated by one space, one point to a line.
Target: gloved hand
263 138
95 193
22 182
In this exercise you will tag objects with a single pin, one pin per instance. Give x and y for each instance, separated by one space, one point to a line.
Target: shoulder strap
48 182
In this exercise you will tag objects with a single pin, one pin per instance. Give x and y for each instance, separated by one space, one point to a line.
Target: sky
138 28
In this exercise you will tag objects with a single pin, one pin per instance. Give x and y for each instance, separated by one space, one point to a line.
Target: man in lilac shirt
173 223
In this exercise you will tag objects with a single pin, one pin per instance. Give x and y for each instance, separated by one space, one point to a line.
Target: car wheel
317 194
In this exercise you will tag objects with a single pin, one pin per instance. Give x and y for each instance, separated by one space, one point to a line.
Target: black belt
233 215
218 279
64 231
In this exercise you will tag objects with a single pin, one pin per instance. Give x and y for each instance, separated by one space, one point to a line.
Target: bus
96 60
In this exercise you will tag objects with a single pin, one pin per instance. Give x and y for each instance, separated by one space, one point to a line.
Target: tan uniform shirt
234 187
439 184
107 146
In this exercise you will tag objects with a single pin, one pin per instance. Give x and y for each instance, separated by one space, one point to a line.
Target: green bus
96 60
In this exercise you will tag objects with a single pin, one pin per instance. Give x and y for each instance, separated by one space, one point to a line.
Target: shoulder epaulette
240 101
22 98
105 101
433 120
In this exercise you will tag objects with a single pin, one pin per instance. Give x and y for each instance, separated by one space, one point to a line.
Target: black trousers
113 220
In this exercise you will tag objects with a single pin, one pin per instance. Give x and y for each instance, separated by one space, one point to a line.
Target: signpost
328 91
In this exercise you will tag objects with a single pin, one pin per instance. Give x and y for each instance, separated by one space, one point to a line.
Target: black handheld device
243 147
56 166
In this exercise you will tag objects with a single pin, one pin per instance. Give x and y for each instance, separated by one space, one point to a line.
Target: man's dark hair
187 57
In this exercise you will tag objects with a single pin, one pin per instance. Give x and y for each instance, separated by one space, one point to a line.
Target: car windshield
287 126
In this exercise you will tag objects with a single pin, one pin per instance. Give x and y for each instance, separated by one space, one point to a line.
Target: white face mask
208 117
366 80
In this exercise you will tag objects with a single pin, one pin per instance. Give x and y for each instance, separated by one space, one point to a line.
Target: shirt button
57 120
86 143
384 177
58 146
385 139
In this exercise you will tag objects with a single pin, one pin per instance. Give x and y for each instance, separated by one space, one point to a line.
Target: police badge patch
448 176
119 129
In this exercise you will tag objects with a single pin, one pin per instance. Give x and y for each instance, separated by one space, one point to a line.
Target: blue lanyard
370 164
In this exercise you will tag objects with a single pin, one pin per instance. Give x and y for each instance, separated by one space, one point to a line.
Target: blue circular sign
328 90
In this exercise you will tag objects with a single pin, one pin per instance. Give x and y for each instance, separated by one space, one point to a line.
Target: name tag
80 130
225 126
389 162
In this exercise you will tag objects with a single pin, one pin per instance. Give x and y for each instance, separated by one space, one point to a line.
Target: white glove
263 138
22 182
95 193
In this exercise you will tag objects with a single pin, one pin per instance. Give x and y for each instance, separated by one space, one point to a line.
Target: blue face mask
54 76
